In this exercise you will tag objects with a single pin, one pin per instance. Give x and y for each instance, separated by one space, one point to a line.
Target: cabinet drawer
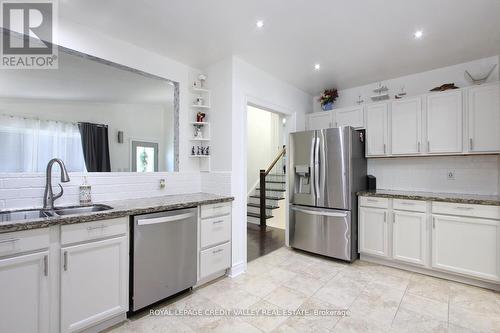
484 211
215 230
410 205
374 202
213 210
24 241
81 232
215 259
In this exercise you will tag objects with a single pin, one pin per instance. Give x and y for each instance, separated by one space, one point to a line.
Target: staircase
273 180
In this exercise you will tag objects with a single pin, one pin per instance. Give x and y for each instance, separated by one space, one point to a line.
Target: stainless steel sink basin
81 209
20 215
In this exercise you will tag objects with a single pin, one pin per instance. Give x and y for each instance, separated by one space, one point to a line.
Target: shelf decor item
481 79
444 87
327 99
200 116
202 78
382 93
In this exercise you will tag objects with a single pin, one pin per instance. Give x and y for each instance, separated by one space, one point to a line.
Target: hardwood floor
261 242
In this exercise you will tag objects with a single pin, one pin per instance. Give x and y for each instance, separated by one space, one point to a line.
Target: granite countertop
121 208
474 199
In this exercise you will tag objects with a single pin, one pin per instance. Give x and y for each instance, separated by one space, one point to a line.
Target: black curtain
95 147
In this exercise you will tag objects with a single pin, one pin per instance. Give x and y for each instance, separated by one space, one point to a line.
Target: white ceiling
355 41
81 79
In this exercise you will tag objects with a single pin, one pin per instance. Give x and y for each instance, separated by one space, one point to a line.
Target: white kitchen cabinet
406 126
349 116
373 231
444 122
409 237
319 120
376 129
24 293
484 118
466 245
94 282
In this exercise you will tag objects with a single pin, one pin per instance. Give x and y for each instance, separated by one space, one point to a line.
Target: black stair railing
262 186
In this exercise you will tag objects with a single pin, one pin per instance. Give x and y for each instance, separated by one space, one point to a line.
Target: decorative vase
327 107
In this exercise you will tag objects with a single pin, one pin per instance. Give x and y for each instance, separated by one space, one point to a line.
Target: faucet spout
49 197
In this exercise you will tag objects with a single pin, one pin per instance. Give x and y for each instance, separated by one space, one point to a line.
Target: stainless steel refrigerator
327 168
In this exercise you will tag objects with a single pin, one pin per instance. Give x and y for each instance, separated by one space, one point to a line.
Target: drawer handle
465 208
217 251
10 240
46 265
218 221
408 203
65 260
102 226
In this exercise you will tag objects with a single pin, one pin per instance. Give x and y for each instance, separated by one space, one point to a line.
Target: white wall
473 174
263 142
143 122
419 83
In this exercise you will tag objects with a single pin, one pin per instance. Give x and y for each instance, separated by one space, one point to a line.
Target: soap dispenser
85 192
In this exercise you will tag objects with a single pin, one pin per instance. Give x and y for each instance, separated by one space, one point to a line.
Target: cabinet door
376 129
467 246
319 120
94 282
409 237
352 116
24 293
484 118
444 122
373 231
406 126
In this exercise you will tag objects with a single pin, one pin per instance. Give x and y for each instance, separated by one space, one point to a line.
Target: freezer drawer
322 231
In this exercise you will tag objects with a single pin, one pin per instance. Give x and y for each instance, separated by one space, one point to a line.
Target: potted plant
328 98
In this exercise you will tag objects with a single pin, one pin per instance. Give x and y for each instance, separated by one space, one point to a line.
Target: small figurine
192 151
199 151
207 151
202 78
200 116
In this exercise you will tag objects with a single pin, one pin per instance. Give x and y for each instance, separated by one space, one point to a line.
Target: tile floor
379 299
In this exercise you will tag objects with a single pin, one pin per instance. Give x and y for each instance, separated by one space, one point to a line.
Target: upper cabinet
319 120
351 116
406 126
444 122
376 129
484 118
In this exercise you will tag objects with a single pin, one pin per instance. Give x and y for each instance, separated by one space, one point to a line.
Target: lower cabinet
24 294
409 237
94 283
467 246
373 235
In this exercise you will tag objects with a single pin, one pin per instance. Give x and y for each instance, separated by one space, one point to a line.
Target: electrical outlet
451 175
163 184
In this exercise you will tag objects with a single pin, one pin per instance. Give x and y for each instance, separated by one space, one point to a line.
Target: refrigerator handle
316 168
313 161
319 212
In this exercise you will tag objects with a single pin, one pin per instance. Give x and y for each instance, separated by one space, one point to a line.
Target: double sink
30 214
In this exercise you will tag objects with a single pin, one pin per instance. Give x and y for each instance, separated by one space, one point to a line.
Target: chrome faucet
49 197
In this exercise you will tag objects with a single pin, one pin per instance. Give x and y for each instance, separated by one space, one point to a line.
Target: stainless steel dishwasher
163 260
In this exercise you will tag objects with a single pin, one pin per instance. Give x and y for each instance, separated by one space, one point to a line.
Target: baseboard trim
237 269
431 272
106 324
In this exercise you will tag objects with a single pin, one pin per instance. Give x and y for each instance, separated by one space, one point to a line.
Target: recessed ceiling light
418 34
259 24
317 67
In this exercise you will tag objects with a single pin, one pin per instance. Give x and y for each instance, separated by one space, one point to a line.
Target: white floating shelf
201 106
200 90
200 139
199 156
200 123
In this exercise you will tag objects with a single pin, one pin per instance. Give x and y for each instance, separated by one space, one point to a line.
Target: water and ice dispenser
302 179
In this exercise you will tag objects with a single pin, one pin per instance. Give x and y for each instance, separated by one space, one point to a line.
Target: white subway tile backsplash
473 174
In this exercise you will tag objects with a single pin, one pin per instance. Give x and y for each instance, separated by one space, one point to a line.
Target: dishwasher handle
164 219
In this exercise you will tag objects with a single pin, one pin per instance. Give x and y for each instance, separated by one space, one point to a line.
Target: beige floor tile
359 325
412 322
235 299
228 325
325 270
339 293
259 286
280 275
429 287
379 308
452 328
257 268
474 298
425 306
286 298
305 283
296 264
477 321
266 323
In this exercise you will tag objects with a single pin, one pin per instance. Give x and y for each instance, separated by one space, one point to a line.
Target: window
144 156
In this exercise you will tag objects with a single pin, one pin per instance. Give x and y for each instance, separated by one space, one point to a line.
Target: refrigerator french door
327 168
